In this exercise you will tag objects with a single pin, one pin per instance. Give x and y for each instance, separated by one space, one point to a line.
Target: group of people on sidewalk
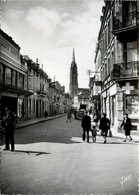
104 126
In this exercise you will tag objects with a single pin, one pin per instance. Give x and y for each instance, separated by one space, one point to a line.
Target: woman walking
127 126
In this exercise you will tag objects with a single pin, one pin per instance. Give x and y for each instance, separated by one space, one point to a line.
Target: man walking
104 126
86 125
9 127
69 115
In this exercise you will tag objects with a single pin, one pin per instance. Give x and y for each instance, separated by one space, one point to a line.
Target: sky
50 29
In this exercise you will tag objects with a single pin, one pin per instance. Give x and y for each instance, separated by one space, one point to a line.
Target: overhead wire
11 28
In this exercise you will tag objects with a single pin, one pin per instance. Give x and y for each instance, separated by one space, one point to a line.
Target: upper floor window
2 73
131 51
109 32
21 81
14 78
41 87
9 76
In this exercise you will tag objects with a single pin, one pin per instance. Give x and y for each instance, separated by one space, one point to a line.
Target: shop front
132 105
131 101
15 99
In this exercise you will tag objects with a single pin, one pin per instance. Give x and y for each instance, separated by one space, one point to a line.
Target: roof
26 57
9 38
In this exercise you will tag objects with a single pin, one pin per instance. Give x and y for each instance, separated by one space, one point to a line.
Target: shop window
132 105
20 108
29 105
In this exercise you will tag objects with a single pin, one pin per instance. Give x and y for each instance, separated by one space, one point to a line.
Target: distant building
57 95
73 86
78 95
83 96
38 84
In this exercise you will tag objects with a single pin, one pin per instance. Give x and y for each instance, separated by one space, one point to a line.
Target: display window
20 108
132 105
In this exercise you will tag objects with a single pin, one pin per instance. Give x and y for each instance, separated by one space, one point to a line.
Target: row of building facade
114 88
24 87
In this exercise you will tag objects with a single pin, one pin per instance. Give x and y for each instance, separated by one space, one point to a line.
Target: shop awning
15 90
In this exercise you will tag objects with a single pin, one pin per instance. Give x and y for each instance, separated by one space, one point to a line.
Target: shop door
8 102
113 110
37 104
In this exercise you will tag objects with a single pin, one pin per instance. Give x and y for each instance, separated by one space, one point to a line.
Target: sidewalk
36 120
23 124
121 135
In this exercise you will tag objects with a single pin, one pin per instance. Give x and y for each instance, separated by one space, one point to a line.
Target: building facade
118 50
84 97
38 84
57 96
13 78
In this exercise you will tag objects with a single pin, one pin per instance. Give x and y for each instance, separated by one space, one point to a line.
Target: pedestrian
86 125
69 116
46 114
75 114
95 119
94 132
104 126
9 120
127 126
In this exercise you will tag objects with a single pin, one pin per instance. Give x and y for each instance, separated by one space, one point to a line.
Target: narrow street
51 158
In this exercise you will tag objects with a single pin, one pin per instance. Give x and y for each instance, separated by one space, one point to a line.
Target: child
94 133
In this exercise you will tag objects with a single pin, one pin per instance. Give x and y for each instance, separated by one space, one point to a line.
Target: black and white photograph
69 97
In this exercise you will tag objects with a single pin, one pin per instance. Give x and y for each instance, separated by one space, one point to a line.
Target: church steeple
73 59
73 87
73 64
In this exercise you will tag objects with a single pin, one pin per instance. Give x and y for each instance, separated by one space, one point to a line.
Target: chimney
37 65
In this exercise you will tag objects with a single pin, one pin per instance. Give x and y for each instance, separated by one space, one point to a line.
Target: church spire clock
73 86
